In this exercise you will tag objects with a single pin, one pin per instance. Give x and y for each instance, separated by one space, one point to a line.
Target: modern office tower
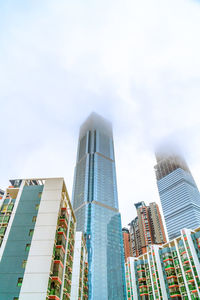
179 194
169 271
126 242
37 227
96 208
79 289
147 228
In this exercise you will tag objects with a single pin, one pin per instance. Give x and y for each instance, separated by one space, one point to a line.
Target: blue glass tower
95 204
179 194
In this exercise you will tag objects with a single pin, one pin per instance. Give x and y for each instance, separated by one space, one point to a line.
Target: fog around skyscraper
61 61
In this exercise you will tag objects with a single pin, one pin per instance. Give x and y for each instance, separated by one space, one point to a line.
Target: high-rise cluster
52 250
167 270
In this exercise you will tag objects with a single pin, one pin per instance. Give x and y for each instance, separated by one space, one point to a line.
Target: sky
137 63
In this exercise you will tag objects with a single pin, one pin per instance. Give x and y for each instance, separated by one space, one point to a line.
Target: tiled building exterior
37 232
126 242
135 238
169 271
147 228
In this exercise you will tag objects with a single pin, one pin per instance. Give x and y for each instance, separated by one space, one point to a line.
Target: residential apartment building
95 204
135 238
126 242
79 289
169 271
37 234
178 192
156 224
147 228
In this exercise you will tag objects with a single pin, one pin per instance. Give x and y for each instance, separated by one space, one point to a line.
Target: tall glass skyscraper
96 208
179 194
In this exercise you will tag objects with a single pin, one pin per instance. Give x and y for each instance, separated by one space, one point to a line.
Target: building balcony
60 247
60 240
62 230
59 255
64 213
58 261
173 286
142 279
169 267
57 272
53 297
172 276
63 222
54 290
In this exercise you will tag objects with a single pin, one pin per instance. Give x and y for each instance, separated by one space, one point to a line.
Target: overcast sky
136 63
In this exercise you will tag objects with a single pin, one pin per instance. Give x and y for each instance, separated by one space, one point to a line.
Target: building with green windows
169 271
37 238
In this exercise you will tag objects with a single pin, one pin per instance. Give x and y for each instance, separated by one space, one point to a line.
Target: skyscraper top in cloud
168 161
178 191
95 121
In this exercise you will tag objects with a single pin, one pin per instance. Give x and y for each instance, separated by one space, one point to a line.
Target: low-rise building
169 271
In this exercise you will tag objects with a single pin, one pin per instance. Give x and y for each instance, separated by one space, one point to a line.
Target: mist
136 63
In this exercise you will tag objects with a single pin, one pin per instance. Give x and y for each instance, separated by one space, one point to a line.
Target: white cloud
135 62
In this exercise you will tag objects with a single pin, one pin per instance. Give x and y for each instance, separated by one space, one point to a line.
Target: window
24 264
19 282
27 247
2 230
34 219
31 232
37 206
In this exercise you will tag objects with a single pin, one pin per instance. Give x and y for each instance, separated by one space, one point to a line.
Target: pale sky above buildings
137 63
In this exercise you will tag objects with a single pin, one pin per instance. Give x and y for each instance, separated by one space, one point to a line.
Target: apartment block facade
135 238
169 271
126 242
37 235
179 195
79 289
147 228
